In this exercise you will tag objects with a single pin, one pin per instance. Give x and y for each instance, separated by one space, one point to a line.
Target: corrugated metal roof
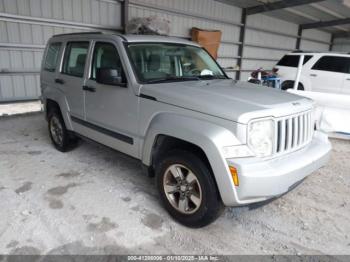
308 13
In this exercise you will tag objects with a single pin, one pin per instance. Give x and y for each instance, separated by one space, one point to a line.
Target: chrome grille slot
293 132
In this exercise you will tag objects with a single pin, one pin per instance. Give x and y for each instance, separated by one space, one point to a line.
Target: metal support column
331 43
241 40
125 14
300 33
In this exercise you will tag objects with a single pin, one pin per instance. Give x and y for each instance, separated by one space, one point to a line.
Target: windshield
164 62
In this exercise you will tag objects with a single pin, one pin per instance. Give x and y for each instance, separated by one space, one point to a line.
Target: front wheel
188 189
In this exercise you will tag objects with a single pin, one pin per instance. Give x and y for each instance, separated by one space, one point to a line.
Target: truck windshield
167 62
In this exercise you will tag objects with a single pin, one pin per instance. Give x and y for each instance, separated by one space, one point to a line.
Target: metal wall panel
284 41
342 45
307 45
317 35
206 14
273 24
267 39
25 27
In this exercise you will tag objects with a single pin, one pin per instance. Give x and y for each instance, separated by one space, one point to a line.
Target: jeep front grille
293 132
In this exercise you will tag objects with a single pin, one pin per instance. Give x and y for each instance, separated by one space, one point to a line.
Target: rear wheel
187 189
290 84
60 136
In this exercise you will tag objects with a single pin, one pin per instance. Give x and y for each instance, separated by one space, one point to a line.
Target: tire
290 84
203 199
61 138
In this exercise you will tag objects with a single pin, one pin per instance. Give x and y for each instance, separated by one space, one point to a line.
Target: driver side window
106 56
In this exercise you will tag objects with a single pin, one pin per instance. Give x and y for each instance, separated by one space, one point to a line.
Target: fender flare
204 134
58 96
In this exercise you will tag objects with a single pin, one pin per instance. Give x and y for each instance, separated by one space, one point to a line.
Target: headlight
261 137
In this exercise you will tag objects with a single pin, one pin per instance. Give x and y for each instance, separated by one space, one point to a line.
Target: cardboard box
209 39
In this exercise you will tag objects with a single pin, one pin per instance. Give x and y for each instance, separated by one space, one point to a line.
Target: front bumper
261 179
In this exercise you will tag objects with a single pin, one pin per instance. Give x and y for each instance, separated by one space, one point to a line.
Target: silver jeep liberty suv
210 141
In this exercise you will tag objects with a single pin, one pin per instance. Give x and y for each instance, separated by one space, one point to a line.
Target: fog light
234 175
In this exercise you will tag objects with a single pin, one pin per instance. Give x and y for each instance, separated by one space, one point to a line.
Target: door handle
89 89
59 81
313 75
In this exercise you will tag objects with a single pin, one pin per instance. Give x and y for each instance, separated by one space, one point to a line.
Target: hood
232 100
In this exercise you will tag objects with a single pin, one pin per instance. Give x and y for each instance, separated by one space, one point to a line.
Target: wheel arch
164 143
50 105
55 98
202 137
304 81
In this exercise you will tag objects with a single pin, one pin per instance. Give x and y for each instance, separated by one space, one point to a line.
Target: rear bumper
261 179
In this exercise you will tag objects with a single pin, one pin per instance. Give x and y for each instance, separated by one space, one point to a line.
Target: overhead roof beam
326 23
278 5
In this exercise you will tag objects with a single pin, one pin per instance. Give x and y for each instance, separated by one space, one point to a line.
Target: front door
111 110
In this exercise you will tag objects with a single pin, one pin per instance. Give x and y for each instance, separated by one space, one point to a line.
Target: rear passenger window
333 64
52 56
75 58
293 60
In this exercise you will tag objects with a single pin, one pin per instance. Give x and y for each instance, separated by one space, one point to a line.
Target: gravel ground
96 200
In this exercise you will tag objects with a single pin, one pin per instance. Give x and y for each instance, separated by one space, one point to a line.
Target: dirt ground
95 200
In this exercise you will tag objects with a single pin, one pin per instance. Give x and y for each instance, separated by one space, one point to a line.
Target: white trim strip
21 46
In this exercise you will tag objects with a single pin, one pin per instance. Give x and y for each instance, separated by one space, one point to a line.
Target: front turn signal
234 175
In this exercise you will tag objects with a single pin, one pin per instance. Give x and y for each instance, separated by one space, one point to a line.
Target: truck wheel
60 136
290 84
187 189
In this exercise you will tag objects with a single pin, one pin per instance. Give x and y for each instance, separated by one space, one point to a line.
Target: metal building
254 34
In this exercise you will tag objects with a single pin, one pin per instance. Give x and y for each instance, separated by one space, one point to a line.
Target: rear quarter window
292 60
336 64
52 57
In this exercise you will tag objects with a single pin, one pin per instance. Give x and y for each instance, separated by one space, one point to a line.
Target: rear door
327 74
49 68
71 77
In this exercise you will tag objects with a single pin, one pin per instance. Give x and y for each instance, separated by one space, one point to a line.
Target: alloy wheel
56 130
182 189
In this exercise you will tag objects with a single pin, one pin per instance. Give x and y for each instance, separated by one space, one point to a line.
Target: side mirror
108 76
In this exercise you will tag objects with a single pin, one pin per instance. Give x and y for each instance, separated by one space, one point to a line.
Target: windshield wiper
173 79
211 77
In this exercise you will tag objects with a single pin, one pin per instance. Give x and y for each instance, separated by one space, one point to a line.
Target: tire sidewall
65 138
211 203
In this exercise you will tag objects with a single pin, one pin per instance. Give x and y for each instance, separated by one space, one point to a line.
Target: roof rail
80 33
89 33
318 52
